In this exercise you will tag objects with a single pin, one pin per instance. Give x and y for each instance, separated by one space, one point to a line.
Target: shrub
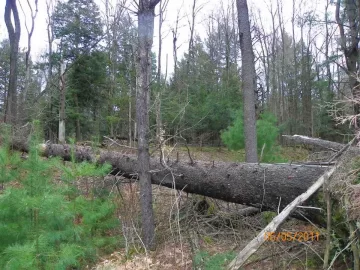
267 132
203 260
48 224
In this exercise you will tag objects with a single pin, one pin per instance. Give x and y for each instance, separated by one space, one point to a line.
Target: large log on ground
314 142
265 186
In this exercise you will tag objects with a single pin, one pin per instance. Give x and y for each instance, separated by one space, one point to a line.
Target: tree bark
248 81
14 38
33 14
146 17
281 71
294 92
191 40
62 103
349 45
264 186
327 58
50 39
77 119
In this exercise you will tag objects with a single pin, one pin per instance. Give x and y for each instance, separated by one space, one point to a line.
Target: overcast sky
39 40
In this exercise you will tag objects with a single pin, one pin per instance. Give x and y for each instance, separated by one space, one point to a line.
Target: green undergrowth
45 220
267 133
206 261
210 153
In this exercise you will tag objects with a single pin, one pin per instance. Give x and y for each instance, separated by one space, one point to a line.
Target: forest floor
194 232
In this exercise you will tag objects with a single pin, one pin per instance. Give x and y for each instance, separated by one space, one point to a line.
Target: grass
209 153
203 260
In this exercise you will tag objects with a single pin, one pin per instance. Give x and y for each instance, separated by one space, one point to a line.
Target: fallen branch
118 144
253 246
314 142
341 151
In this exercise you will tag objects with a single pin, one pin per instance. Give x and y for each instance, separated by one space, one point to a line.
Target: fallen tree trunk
264 186
314 142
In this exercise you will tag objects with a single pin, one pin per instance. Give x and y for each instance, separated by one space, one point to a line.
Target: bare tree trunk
14 38
294 96
248 82
174 43
266 61
191 40
130 115
62 104
111 53
50 36
162 7
274 90
327 41
23 105
174 32
146 17
77 121
349 46
130 92
282 71
306 85
135 121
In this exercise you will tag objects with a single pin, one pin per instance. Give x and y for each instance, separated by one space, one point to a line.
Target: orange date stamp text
292 236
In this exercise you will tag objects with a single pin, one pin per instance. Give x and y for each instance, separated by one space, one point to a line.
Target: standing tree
146 15
162 15
248 81
349 44
4 72
23 97
78 26
62 102
14 38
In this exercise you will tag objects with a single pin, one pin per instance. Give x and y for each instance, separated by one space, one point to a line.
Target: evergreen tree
47 224
78 26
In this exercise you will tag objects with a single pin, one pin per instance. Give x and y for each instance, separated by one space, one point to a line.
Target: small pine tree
47 224
267 133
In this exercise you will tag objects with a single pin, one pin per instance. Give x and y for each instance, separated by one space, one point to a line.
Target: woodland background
298 72
100 79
